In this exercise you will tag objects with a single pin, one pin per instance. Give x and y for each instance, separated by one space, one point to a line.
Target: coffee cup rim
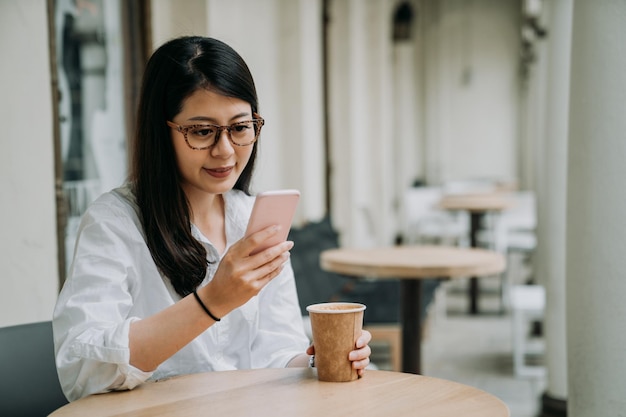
356 307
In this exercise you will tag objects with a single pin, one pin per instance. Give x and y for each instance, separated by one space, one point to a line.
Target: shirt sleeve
92 316
281 334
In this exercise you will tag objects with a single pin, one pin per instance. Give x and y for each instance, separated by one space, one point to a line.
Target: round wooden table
291 392
477 205
411 264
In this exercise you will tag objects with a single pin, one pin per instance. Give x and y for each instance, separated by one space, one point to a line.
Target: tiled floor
477 351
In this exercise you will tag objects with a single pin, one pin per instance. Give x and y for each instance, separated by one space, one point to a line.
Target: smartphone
270 208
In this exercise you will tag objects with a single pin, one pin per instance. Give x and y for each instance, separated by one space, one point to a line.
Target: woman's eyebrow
212 120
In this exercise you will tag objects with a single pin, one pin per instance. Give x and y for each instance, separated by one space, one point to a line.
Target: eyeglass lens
242 133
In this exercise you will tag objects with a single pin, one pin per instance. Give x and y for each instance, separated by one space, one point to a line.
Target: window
100 51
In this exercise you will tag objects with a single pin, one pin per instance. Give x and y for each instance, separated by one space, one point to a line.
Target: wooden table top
413 262
292 392
476 202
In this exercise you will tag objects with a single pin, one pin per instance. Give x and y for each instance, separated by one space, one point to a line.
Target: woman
162 282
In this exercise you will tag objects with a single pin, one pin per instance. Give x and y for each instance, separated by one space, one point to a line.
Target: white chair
513 228
527 305
512 231
425 222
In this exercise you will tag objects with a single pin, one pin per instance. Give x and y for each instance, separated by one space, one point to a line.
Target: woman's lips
222 172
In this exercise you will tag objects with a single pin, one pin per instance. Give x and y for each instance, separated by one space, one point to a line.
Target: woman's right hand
240 276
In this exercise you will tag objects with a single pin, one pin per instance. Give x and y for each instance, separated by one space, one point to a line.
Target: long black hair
174 72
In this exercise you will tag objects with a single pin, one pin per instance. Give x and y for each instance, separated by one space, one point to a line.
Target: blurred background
364 100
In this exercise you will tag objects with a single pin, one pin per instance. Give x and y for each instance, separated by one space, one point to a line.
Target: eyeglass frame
184 129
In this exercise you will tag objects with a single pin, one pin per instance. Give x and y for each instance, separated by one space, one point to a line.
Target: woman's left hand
360 357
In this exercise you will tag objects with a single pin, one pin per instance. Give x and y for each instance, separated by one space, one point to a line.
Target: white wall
471 54
28 245
171 19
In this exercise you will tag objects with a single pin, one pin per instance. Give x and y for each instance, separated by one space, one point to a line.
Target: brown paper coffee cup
336 327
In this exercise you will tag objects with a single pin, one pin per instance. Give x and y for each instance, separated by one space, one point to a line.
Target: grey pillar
553 225
596 206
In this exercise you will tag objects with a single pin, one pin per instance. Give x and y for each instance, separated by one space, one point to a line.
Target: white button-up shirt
114 281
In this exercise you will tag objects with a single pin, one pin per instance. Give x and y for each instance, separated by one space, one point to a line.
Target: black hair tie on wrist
195 294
